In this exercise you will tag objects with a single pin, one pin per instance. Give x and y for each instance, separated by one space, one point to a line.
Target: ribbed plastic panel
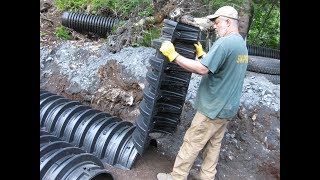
167 87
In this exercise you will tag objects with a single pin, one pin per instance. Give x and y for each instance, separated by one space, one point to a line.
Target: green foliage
148 36
119 8
147 12
72 5
215 4
116 26
265 31
42 34
125 7
62 33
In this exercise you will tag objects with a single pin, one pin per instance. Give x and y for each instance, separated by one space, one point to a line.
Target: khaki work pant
204 133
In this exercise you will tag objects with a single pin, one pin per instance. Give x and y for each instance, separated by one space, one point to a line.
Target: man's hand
168 50
199 50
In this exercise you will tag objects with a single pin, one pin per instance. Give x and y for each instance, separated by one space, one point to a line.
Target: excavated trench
111 140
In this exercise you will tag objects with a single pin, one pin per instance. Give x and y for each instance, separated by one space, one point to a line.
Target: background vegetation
264 30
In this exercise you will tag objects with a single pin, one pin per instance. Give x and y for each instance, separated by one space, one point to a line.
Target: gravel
81 62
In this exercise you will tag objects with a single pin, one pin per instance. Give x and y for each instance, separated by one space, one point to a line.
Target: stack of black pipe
105 136
60 160
167 87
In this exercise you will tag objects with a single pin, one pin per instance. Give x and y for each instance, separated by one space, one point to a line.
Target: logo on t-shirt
242 59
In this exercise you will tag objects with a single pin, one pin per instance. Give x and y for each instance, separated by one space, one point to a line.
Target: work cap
226 11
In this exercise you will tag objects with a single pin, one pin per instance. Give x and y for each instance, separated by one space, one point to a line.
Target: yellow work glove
168 50
199 50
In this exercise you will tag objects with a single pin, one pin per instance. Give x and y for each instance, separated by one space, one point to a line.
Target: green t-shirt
220 90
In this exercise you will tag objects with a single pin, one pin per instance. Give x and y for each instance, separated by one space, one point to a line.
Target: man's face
220 26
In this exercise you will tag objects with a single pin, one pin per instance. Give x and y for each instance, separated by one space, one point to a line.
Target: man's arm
168 50
191 65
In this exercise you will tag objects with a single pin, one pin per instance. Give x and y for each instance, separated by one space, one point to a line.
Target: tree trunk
245 18
163 8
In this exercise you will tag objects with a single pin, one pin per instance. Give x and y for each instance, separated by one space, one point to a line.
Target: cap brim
213 16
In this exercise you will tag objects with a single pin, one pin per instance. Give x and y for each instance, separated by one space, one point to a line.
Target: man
223 70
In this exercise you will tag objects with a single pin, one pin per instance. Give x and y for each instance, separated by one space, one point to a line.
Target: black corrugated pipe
167 87
88 22
263 51
60 160
105 136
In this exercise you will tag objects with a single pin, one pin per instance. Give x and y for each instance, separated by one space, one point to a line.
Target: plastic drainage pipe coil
88 22
263 51
98 133
60 160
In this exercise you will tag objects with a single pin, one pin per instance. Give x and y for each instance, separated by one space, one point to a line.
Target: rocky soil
86 70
